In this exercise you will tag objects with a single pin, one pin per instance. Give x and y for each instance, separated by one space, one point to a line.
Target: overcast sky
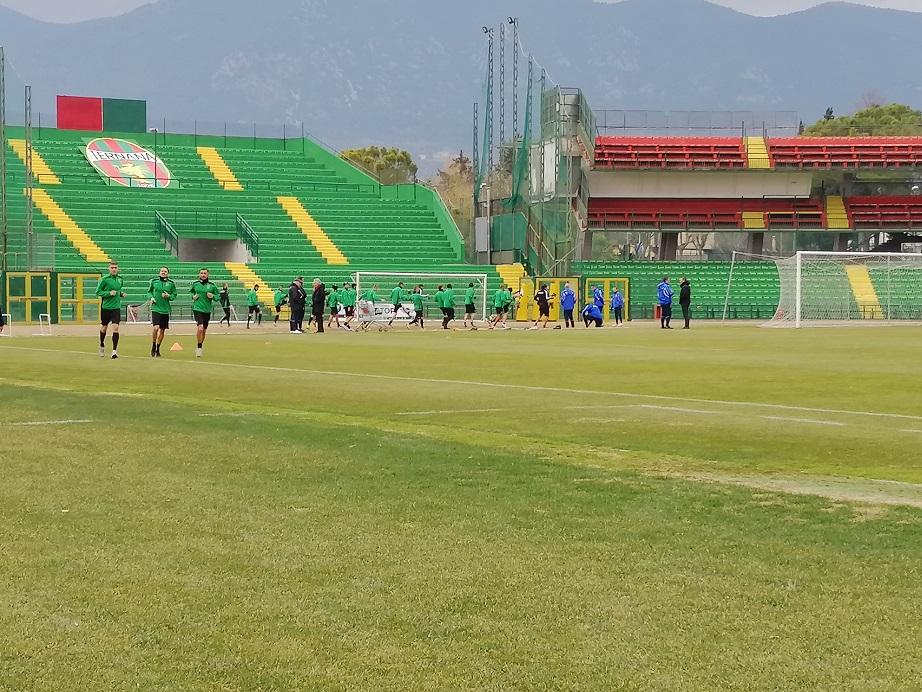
76 10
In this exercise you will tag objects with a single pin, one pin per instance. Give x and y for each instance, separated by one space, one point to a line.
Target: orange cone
176 347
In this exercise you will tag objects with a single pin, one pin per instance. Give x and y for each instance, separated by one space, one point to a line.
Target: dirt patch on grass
853 490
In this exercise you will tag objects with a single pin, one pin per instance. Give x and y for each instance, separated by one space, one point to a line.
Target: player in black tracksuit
296 301
685 301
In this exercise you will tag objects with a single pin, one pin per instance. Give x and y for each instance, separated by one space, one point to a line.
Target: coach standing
296 301
685 300
318 303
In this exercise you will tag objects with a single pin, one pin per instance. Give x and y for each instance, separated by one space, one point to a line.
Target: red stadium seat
707 214
670 152
846 152
885 212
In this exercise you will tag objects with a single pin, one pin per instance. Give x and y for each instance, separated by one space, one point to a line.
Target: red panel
80 113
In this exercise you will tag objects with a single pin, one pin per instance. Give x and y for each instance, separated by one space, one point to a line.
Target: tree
390 166
456 186
891 120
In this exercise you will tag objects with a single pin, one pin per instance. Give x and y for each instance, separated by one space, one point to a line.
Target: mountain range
406 72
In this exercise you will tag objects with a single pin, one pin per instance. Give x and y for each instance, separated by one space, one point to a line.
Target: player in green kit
417 297
333 305
111 289
397 297
254 312
162 292
448 305
347 300
204 294
469 308
499 300
280 298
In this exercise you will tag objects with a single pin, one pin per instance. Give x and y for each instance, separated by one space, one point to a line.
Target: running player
162 292
448 303
347 299
417 297
333 304
254 312
204 294
111 290
499 299
225 303
469 308
370 296
543 299
280 298
397 297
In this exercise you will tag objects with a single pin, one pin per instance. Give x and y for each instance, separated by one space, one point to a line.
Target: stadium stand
313 213
845 152
712 214
868 213
753 293
671 152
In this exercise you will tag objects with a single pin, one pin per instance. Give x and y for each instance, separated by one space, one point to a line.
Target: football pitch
720 509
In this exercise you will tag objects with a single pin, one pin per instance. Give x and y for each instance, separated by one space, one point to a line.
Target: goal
831 288
386 281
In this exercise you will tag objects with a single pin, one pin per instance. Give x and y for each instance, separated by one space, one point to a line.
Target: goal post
857 288
386 281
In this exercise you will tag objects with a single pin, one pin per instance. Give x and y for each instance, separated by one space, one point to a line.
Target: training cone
176 347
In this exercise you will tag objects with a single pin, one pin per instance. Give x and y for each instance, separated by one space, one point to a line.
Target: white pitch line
804 420
44 422
679 410
494 385
909 430
455 410
236 415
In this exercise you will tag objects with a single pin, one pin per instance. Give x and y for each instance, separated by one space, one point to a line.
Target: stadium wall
702 184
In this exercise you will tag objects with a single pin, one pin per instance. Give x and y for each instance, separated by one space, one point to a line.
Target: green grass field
720 509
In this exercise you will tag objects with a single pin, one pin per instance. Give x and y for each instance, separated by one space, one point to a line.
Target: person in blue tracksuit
598 298
617 305
567 304
664 296
592 313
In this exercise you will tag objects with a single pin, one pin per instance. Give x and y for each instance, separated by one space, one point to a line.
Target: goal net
829 288
384 282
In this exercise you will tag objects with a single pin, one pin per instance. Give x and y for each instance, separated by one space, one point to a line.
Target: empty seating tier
671 152
709 214
845 152
890 213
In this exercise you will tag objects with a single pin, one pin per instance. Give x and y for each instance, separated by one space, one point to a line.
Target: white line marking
236 415
44 422
491 385
462 410
908 430
804 420
680 410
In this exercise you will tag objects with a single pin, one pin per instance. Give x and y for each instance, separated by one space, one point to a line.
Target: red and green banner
90 114
126 163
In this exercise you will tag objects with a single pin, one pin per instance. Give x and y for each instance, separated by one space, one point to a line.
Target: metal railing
167 234
248 236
